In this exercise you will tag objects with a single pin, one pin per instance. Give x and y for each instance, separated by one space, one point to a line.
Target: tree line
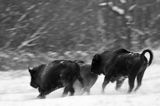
86 25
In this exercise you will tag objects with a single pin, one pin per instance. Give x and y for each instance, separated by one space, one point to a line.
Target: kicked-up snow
16 91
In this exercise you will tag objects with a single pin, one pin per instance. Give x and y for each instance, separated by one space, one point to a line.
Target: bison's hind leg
119 82
88 91
131 82
139 80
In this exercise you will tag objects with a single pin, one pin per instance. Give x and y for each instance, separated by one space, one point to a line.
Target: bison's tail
150 53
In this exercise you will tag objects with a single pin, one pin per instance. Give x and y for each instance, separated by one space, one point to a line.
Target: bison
55 75
89 78
120 64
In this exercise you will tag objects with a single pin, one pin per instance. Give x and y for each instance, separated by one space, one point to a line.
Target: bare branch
38 31
27 42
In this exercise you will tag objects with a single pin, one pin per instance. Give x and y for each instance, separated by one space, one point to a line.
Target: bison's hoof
41 97
102 91
129 91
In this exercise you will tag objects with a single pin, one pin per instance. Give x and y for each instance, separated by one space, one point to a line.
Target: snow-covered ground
16 91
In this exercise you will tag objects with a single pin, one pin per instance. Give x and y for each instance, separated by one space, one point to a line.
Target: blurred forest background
37 31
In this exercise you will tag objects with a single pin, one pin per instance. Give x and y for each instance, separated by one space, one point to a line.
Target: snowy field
16 91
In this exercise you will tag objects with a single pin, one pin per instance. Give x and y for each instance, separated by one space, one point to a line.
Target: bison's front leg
67 89
43 93
65 92
105 82
41 96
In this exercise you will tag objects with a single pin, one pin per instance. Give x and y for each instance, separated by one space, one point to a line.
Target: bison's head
35 75
95 66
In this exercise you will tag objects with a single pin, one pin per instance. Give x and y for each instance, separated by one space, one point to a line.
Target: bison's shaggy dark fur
57 74
119 64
